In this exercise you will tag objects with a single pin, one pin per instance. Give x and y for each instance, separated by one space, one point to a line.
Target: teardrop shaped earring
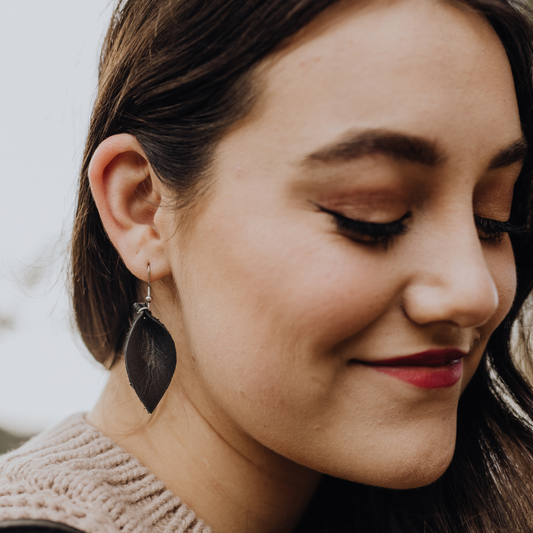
150 354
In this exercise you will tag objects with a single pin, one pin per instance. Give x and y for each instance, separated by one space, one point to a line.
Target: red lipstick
433 369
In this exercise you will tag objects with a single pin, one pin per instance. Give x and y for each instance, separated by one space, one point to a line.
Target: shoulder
75 475
54 477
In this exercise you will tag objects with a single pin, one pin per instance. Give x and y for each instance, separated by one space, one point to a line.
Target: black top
35 526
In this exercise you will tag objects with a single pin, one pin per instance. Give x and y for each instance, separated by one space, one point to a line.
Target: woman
326 207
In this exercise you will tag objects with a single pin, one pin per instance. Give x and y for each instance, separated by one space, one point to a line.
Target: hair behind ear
104 290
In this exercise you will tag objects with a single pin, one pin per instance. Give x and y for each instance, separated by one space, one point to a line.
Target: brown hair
177 74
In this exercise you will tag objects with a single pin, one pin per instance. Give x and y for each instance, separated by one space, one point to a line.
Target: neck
245 489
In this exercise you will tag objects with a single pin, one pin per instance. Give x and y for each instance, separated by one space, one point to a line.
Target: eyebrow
397 146
406 148
514 153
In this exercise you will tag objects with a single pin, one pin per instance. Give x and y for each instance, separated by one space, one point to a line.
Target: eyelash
492 231
369 232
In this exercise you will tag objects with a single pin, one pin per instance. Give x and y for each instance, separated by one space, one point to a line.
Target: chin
418 478
411 462
415 473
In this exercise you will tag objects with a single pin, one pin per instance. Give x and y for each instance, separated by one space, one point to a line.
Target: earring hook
149 294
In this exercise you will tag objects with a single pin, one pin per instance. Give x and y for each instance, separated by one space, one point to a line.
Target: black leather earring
150 354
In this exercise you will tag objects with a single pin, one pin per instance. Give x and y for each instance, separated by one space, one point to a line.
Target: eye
368 232
493 231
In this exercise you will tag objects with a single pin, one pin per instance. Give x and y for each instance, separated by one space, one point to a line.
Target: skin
276 309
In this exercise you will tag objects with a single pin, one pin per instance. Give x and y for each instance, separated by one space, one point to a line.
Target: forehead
425 67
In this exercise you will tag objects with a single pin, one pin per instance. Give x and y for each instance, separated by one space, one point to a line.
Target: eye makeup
360 231
368 232
494 230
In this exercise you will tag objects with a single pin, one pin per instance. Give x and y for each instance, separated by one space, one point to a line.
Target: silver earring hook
149 294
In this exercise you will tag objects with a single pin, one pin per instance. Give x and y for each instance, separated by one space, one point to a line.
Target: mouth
432 369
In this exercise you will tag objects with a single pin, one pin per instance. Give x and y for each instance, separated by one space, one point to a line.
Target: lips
431 369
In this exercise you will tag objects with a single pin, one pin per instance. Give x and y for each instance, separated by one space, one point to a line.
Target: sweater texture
75 475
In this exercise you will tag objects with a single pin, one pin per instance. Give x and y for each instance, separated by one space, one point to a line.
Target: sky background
49 56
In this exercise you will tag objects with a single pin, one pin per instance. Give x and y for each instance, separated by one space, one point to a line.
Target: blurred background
49 56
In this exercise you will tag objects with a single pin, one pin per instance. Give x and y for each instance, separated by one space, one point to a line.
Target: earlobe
125 191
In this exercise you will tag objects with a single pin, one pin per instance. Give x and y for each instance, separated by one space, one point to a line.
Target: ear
127 194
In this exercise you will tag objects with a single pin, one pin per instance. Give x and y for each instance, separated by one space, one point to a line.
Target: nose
452 283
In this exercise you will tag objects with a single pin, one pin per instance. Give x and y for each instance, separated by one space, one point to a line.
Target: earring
150 354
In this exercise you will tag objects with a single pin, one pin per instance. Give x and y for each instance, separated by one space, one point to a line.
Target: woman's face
402 117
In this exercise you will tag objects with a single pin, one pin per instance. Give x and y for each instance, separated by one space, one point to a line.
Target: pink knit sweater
75 475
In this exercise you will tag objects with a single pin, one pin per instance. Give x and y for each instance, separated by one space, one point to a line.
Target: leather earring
150 354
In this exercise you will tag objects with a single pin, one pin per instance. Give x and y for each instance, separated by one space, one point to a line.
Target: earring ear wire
149 353
149 290
148 298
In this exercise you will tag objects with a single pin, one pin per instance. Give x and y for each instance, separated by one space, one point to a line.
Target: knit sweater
75 475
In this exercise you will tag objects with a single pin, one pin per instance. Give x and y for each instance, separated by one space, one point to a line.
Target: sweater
75 475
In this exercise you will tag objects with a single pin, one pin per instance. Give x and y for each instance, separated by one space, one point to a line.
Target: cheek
283 280
501 264
271 300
